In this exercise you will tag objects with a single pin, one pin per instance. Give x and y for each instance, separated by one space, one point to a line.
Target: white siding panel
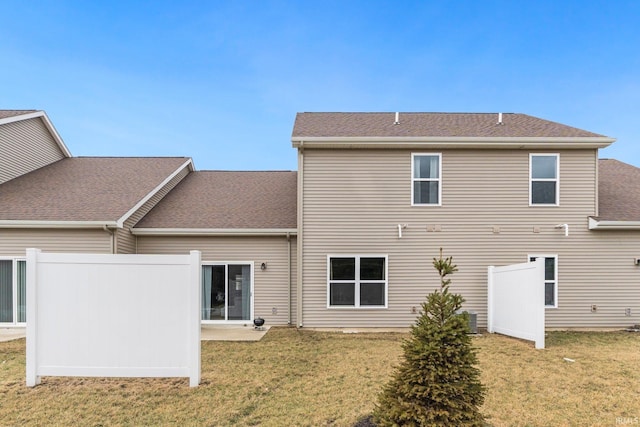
270 286
355 199
26 146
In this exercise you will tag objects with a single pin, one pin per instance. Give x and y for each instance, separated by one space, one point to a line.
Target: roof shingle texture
84 188
12 113
430 125
619 191
228 200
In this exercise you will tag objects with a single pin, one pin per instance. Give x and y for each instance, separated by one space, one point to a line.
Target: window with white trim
358 281
543 179
426 185
550 279
13 291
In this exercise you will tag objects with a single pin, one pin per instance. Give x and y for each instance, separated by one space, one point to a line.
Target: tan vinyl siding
16 241
355 199
270 285
125 241
25 146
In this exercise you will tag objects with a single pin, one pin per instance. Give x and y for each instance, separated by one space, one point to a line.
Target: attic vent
500 119
397 122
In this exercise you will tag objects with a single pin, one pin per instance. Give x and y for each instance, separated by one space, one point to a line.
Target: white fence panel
516 301
113 315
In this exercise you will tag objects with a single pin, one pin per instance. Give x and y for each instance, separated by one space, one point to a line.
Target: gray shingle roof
12 113
84 188
430 125
228 200
619 191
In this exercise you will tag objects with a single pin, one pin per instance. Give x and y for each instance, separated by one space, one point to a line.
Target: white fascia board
214 231
453 142
594 224
56 224
52 130
188 163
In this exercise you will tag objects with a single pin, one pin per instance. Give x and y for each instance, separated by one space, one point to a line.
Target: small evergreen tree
437 383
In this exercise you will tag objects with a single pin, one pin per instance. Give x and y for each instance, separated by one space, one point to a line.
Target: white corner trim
594 224
52 130
214 231
56 224
145 199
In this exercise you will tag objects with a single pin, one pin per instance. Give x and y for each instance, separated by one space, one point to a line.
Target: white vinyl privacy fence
113 315
516 301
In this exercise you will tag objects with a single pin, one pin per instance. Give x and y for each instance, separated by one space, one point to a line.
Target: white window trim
14 283
439 179
556 180
356 283
555 273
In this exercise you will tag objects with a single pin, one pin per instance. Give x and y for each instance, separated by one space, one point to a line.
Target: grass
307 378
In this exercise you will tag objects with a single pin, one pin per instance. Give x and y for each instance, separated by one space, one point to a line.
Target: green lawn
307 378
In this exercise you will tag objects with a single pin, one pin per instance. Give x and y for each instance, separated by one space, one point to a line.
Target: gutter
595 224
452 142
10 223
214 231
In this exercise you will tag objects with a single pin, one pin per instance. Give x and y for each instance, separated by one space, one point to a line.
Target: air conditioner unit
473 320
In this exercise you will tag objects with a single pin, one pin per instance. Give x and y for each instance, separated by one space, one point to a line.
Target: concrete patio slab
231 333
8 334
207 333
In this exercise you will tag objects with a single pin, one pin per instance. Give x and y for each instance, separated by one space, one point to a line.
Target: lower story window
357 281
13 287
550 279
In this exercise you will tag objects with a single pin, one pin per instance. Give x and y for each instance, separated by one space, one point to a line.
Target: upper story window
426 188
543 178
358 281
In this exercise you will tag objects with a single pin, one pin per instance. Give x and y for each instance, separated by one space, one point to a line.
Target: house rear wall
270 286
355 199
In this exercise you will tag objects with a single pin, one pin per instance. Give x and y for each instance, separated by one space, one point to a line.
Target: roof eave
214 231
595 224
52 130
453 142
57 224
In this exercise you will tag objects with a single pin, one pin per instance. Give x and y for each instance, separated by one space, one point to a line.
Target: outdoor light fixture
263 266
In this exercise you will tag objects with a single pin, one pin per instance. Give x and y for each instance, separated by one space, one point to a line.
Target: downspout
112 239
597 185
289 274
300 237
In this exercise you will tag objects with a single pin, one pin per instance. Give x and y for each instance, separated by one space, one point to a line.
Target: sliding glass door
226 292
13 292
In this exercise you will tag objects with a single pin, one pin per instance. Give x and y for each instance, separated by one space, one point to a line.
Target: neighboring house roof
12 113
496 128
211 202
618 194
87 190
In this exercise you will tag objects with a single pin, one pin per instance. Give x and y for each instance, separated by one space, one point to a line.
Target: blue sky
221 81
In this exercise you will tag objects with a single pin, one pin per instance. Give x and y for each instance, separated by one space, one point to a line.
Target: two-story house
348 239
380 193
